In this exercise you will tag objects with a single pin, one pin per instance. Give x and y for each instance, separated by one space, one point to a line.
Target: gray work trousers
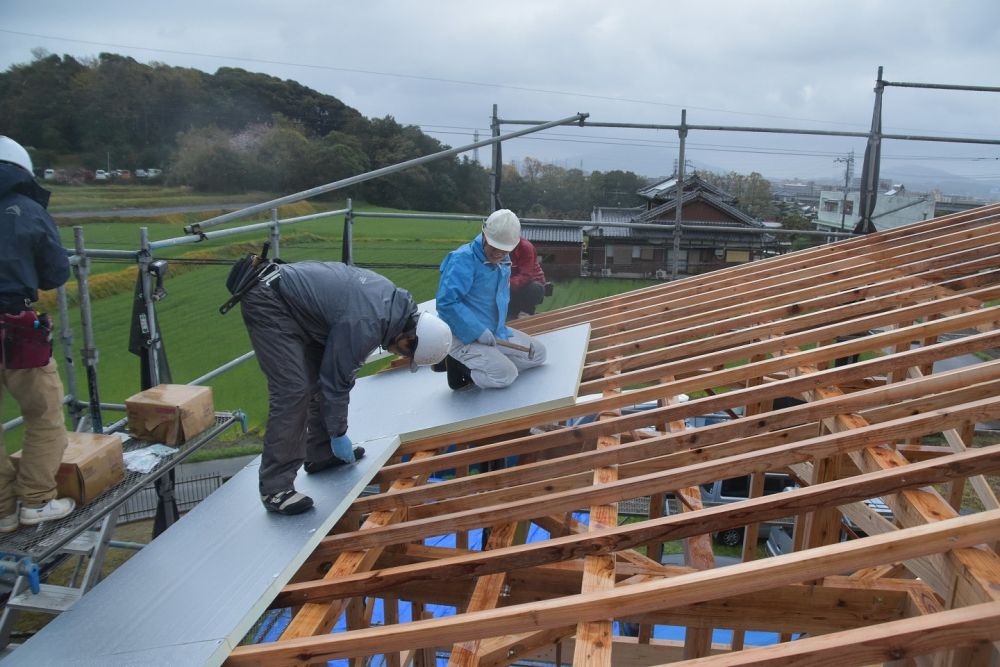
290 360
494 366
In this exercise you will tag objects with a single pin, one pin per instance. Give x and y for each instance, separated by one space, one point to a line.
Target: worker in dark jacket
312 325
31 258
527 280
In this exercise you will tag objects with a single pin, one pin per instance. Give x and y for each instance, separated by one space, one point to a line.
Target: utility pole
475 152
848 175
496 165
679 195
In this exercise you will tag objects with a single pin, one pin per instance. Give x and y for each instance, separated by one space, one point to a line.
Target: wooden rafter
740 342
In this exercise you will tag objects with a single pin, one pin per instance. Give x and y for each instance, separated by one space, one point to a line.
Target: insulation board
192 594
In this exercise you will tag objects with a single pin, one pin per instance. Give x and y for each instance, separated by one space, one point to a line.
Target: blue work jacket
473 295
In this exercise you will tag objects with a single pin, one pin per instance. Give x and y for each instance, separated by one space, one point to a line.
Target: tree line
236 130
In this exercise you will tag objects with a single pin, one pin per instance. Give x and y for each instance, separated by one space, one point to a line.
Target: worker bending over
472 298
31 258
312 325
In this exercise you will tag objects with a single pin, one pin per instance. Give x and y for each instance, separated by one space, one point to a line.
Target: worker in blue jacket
472 298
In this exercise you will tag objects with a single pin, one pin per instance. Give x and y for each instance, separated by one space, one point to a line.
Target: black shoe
459 374
332 462
441 366
287 502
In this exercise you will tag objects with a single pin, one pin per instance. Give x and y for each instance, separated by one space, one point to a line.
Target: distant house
559 248
718 241
802 195
893 208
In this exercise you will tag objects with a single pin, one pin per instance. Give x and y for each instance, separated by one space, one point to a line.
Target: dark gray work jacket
350 312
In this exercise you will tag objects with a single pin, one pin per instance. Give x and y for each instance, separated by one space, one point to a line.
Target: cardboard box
170 413
91 463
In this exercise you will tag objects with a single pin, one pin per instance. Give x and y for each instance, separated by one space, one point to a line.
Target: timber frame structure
921 589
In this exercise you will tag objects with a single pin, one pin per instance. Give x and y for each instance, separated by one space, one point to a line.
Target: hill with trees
229 131
237 131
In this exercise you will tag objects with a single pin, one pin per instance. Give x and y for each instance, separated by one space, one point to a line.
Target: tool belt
25 340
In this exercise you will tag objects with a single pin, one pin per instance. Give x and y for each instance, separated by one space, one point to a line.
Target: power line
416 77
723 148
463 82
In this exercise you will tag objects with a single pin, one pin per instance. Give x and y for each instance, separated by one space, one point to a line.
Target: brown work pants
39 392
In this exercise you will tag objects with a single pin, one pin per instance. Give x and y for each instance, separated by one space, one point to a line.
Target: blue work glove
487 338
343 448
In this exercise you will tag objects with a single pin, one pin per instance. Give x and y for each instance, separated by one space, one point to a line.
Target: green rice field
197 338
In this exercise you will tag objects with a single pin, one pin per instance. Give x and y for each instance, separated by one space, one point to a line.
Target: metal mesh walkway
45 539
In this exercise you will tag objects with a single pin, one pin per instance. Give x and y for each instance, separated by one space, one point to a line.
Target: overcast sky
443 64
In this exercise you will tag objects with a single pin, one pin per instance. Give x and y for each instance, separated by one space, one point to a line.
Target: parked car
737 489
779 542
50 174
734 490
101 175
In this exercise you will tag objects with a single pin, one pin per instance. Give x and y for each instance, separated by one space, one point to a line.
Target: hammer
530 350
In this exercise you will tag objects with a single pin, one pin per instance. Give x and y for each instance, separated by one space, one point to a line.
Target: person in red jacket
527 281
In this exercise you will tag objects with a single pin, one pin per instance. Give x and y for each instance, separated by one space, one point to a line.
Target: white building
893 208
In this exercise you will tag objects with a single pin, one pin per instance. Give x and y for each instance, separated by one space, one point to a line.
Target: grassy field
197 338
95 197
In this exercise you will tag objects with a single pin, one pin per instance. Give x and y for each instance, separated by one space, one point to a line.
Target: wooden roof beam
885 642
825 353
671 444
786 387
314 618
911 258
737 275
956 533
718 334
698 473
628 536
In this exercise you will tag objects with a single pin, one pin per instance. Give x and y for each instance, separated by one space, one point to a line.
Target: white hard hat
502 230
433 341
11 151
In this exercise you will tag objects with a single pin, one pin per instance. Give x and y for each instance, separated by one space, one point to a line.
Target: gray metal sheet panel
195 591
419 404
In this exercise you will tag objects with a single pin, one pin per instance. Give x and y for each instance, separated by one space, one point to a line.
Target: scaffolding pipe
347 244
66 338
769 130
942 86
232 231
424 216
545 222
496 162
223 368
275 235
89 352
377 173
